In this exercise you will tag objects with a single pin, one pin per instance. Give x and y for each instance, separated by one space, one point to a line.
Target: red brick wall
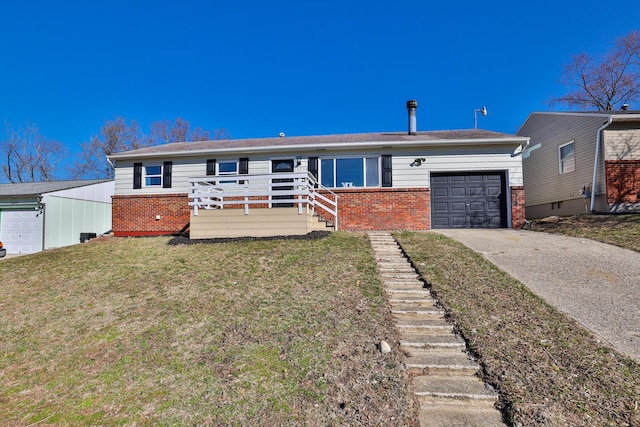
136 215
623 181
371 209
517 206
384 209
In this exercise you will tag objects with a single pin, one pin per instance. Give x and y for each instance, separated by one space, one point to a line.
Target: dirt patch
618 230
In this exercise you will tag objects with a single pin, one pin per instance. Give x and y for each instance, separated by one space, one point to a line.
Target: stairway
443 376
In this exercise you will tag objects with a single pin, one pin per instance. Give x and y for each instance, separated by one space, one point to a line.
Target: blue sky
257 68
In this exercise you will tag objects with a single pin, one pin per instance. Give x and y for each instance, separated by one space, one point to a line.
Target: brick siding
517 206
136 215
371 209
384 209
622 181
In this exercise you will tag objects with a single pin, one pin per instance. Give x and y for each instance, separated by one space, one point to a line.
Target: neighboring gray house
573 156
45 215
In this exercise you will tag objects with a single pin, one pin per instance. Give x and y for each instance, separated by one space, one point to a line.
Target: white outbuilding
44 215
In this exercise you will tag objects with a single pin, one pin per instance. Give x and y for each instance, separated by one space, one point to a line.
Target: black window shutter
386 171
312 168
137 175
211 166
166 175
243 167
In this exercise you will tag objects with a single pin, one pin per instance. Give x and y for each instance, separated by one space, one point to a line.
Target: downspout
595 164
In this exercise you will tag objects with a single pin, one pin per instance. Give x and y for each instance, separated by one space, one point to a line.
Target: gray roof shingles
299 142
37 188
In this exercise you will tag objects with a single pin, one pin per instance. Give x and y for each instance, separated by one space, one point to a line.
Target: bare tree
604 83
115 136
27 156
118 135
164 132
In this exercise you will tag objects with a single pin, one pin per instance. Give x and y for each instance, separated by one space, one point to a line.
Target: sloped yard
549 370
141 332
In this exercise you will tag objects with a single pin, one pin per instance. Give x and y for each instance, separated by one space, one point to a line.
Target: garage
21 230
468 200
36 216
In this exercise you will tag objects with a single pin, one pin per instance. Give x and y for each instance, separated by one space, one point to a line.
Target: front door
282 166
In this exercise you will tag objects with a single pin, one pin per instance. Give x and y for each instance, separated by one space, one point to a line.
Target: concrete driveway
596 284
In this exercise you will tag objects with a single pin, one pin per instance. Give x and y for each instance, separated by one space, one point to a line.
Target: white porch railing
265 191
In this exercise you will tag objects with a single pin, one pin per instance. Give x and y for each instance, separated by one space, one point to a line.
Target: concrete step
403 287
429 311
397 262
406 323
400 300
394 275
412 292
458 415
440 362
406 268
418 339
453 389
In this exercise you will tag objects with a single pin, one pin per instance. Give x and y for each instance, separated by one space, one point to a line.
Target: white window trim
145 175
561 170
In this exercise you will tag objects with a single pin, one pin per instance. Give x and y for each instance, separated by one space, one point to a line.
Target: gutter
595 163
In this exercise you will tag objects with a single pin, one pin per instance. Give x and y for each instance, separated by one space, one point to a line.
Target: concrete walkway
443 376
596 284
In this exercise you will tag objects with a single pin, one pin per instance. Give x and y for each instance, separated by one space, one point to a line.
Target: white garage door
21 231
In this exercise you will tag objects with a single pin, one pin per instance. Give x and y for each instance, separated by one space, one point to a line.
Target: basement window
567 158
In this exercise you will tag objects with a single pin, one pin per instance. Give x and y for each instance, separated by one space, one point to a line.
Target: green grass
137 331
548 369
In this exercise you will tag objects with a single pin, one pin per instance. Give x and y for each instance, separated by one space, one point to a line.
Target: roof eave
514 141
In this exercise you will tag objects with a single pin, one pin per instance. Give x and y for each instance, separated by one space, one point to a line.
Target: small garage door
468 200
21 231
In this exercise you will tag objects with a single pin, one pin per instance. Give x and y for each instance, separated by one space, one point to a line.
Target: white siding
66 218
462 160
437 159
101 192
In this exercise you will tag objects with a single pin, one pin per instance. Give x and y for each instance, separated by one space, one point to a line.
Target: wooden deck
215 223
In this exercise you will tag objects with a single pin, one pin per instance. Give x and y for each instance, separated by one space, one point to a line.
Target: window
152 175
567 158
350 172
227 168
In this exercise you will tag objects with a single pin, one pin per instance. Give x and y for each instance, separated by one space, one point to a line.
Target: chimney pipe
411 108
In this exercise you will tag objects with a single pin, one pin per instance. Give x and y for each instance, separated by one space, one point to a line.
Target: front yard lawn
140 332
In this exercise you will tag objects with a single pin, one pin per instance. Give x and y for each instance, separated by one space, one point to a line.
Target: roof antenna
482 110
